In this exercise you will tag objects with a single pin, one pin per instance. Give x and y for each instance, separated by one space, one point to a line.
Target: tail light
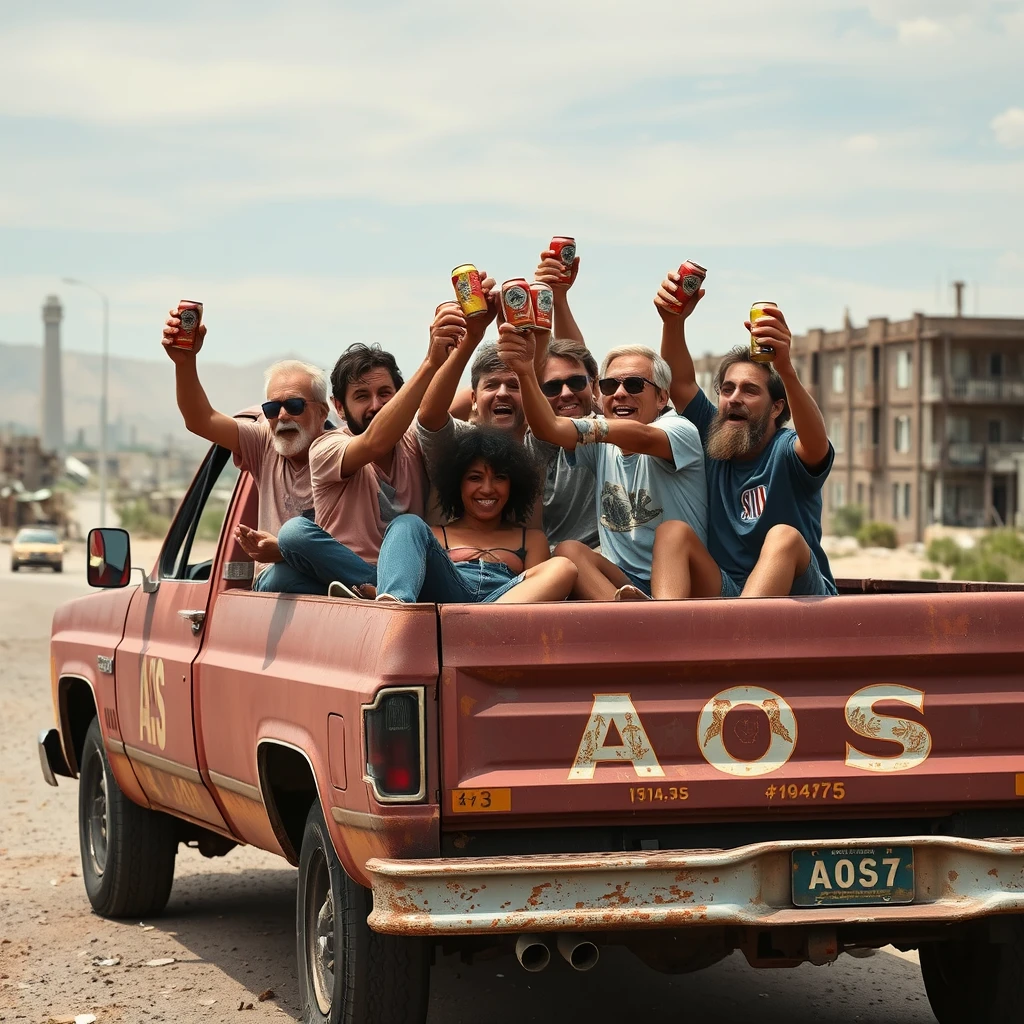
393 726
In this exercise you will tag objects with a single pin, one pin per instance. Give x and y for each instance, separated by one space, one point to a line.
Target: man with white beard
275 452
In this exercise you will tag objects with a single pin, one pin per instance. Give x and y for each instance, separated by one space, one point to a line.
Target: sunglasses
577 382
632 385
292 406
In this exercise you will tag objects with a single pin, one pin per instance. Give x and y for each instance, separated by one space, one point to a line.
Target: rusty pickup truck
795 778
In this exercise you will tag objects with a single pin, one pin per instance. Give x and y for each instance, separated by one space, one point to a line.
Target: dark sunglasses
633 385
292 406
577 382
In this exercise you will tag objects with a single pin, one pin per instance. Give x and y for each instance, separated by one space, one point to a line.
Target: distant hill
141 393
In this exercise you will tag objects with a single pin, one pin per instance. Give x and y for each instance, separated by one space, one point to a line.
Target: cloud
918 30
861 144
1009 128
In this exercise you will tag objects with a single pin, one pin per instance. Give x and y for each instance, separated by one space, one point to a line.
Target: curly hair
504 454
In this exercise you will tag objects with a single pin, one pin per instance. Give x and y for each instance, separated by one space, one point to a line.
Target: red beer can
191 316
517 303
543 305
691 277
564 249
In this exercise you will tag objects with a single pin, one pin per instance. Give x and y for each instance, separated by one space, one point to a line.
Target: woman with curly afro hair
487 487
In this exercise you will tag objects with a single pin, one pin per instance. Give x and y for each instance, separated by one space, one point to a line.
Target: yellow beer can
469 290
757 353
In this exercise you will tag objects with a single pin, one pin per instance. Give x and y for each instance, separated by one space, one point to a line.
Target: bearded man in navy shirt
764 479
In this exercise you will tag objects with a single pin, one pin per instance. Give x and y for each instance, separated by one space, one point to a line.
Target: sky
312 171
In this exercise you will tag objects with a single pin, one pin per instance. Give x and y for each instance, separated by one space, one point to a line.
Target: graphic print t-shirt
637 493
747 498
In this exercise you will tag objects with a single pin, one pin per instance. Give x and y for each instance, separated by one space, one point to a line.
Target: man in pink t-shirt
367 474
275 451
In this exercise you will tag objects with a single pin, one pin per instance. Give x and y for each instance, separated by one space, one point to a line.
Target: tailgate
571 714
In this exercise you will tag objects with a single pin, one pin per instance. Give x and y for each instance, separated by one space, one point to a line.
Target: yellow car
35 546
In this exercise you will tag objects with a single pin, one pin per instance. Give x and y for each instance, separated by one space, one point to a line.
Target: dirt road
229 926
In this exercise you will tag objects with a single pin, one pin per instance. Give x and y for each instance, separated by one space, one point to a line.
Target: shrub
847 520
138 519
1003 543
980 569
931 574
877 535
945 551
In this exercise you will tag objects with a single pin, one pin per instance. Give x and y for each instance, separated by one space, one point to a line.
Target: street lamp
104 384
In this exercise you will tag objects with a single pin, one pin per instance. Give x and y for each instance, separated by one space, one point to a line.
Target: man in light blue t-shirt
648 463
764 479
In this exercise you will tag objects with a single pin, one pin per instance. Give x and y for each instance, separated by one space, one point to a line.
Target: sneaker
338 589
630 593
388 599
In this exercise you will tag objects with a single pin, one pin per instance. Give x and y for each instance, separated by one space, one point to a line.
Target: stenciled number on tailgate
658 794
467 801
808 791
152 723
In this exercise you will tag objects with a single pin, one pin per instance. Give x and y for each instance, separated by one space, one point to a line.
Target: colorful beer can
469 290
517 303
564 249
191 316
757 353
691 278
543 305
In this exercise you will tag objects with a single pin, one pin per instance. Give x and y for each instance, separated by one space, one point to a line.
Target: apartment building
926 416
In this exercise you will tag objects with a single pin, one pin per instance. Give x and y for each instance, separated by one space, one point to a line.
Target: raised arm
551 271
388 426
433 414
771 330
673 315
200 417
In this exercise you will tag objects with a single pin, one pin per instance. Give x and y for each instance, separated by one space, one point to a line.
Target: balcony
999 458
986 389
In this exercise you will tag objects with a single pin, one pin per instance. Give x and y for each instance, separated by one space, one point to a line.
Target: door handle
194 615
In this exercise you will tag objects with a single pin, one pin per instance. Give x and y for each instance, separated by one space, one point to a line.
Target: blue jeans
313 559
414 567
810 583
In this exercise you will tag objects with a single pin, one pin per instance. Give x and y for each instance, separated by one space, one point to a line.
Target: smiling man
648 463
764 480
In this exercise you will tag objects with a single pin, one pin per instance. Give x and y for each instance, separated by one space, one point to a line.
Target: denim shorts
486 581
810 583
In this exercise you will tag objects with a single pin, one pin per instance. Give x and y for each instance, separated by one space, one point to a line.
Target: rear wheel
58 568
127 851
976 982
349 974
15 566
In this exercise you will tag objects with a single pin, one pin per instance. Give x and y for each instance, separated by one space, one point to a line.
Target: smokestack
53 390
958 287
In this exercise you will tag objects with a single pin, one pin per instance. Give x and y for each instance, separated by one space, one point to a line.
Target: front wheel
976 981
349 974
128 851
15 566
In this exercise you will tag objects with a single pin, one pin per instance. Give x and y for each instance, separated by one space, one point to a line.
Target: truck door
163 634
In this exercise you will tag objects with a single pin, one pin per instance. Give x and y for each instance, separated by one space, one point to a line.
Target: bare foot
366 590
630 593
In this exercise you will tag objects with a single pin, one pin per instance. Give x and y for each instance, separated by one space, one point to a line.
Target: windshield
36 537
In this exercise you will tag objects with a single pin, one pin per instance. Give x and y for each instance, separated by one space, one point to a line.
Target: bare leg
784 556
682 566
598 578
550 581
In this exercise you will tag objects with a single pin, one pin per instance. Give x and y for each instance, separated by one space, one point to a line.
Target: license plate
853 875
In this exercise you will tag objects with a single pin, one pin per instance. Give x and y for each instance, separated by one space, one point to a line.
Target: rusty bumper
956 879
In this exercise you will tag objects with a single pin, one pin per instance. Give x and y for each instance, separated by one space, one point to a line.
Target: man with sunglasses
275 452
764 479
647 462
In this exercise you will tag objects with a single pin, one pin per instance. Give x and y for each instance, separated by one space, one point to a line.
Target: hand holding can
563 248
517 303
543 305
190 315
759 353
469 290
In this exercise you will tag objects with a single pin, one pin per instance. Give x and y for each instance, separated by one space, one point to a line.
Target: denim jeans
414 567
313 559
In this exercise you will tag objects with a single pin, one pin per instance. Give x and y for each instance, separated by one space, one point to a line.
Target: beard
290 440
731 439
353 424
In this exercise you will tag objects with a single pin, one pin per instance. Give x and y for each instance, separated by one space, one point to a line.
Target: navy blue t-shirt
746 498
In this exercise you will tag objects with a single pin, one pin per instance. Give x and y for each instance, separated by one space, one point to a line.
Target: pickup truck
795 778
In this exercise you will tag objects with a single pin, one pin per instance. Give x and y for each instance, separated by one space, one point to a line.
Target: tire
976 982
128 851
15 566
58 568
372 978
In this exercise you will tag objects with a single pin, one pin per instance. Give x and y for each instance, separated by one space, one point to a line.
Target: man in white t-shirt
649 463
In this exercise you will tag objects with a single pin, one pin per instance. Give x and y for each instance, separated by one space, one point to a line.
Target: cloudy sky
312 171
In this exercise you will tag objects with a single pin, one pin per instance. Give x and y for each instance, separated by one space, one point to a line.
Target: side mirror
110 559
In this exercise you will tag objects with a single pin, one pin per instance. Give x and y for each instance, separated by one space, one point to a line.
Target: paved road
230 922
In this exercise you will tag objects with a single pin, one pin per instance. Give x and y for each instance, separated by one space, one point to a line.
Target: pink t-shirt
284 486
356 509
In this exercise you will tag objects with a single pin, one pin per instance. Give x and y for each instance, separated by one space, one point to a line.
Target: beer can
469 290
543 305
564 249
757 353
691 277
191 316
517 303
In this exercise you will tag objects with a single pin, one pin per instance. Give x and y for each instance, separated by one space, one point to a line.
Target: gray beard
729 441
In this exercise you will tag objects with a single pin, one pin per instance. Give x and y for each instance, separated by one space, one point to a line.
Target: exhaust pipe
579 953
532 953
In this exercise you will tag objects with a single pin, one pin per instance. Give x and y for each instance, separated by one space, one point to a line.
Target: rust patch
994 872
714 881
536 893
466 705
952 876
617 895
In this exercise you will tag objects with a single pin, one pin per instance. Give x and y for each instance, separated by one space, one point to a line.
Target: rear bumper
51 756
41 561
956 879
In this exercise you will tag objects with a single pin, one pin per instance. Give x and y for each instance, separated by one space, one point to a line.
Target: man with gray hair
275 452
648 462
